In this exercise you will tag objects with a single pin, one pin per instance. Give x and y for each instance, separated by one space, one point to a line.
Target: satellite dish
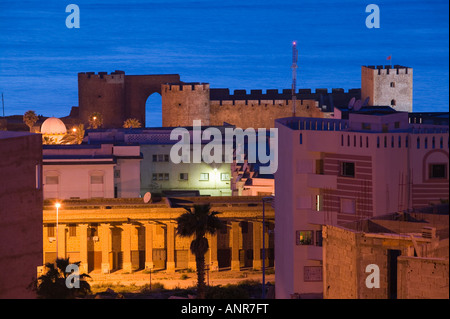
350 104
357 105
366 101
147 197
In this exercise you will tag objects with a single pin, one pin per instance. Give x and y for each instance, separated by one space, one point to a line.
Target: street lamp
57 205
264 200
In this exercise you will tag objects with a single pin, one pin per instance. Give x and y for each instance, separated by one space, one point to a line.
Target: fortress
118 96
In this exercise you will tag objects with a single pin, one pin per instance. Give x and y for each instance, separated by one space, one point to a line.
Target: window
160 158
72 230
348 169
166 176
224 176
319 167
51 180
304 237
51 230
154 177
117 173
384 128
319 238
393 103
392 84
396 124
301 138
366 126
160 176
184 176
93 230
438 171
204 176
348 206
96 179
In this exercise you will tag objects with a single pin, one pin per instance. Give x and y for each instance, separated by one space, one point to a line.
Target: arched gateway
117 96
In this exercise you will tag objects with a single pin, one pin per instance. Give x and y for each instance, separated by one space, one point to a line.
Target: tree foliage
30 118
198 222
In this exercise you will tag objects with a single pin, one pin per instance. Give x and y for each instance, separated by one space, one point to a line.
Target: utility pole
294 75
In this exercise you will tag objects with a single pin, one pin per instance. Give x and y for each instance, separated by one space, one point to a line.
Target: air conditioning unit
429 232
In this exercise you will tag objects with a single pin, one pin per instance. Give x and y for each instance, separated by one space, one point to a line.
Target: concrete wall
20 212
423 278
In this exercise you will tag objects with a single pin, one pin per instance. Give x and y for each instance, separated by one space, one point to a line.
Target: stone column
149 231
213 261
105 239
257 245
126 247
235 229
170 247
61 241
83 231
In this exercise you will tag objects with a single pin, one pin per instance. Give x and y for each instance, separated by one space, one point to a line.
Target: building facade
20 212
128 234
335 171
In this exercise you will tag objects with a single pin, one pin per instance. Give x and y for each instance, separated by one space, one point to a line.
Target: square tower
387 85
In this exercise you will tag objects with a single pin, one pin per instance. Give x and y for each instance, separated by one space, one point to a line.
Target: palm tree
199 222
132 123
95 120
30 118
75 136
52 285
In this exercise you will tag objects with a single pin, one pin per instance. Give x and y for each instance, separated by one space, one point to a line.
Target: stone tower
386 85
182 103
103 93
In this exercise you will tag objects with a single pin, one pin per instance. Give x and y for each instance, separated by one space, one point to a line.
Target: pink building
334 171
20 212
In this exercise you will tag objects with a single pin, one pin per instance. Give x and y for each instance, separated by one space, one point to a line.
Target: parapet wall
387 69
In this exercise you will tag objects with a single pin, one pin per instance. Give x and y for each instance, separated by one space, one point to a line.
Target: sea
231 44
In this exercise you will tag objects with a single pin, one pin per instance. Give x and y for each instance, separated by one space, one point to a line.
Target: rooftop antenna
294 75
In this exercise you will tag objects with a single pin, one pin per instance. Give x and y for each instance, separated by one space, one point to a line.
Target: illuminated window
319 203
204 176
224 176
304 237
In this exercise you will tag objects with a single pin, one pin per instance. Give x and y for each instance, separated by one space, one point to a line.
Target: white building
91 171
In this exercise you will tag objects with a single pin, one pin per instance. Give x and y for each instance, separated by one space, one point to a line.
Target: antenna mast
294 75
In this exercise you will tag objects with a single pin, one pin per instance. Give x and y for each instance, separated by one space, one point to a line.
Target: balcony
321 181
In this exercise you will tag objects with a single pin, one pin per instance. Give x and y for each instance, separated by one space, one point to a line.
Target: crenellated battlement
387 69
185 87
275 94
116 75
